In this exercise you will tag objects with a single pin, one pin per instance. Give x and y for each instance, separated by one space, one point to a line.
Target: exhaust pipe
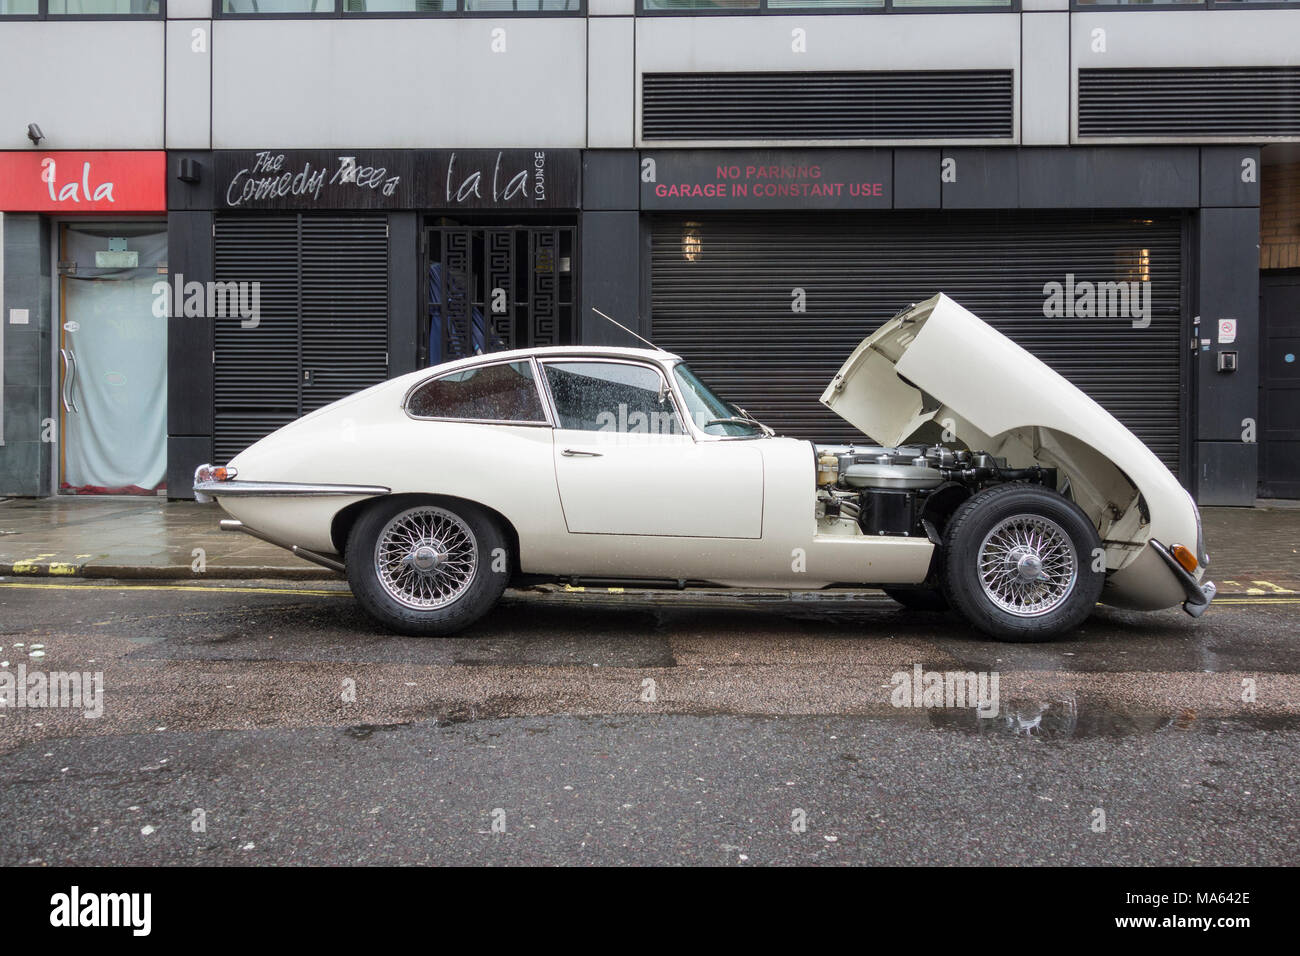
233 524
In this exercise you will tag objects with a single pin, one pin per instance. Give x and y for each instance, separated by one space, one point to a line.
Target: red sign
80 182
767 179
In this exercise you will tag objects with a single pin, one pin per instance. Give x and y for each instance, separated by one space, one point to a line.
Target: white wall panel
189 84
611 83
399 83
89 84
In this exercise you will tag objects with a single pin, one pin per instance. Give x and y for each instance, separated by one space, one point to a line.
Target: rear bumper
206 489
1199 595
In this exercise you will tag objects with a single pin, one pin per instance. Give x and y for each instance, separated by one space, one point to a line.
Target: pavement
1253 551
127 538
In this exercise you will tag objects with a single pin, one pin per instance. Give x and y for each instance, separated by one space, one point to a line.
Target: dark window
104 8
816 6
611 397
58 9
273 8
487 393
390 8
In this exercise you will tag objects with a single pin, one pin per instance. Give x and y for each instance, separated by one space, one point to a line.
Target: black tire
1014 525
917 598
467 553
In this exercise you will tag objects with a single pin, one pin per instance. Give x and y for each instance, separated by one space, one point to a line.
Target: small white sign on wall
18 317
1227 331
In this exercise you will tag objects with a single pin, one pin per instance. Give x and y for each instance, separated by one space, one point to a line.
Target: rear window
506 392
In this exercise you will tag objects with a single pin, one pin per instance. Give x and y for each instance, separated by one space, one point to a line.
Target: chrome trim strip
284 489
486 363
233 524
665 383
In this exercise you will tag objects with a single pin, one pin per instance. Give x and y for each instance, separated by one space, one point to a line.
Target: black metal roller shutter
722 290
323 329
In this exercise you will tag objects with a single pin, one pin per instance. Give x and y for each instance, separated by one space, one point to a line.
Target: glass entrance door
113 359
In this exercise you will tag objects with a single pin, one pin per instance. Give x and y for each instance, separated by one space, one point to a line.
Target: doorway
493 287
112 359
1279 384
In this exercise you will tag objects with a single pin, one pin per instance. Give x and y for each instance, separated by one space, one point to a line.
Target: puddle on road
366 731
1080 717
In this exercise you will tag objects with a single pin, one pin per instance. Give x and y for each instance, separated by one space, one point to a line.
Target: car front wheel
1020 563
427 568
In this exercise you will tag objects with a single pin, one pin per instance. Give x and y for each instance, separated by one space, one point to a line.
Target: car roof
410 379
553 351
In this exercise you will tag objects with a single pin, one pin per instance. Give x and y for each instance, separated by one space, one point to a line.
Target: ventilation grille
322 332
1239 101
896 105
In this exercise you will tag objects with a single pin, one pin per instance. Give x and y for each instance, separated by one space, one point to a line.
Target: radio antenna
625 329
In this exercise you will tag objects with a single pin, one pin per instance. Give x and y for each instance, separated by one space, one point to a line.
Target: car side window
505 392
611 396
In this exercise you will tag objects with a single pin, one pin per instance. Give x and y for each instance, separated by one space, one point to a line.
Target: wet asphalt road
304 734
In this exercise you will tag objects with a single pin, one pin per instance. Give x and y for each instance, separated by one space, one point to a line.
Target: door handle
579 453
69 377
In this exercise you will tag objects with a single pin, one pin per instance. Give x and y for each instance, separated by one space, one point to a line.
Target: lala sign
517 185
75 191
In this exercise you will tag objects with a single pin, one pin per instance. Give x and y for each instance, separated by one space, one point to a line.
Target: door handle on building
69 378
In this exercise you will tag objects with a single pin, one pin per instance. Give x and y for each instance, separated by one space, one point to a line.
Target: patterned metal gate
497 287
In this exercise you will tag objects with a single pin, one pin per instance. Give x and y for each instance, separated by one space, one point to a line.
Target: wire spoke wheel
426 558
1027 565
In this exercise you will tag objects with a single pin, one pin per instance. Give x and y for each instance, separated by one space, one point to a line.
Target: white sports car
987 484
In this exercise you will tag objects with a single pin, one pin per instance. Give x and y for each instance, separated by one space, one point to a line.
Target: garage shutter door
323 330
722 293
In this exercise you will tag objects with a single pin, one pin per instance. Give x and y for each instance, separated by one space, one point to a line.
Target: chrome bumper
205 491
1199 596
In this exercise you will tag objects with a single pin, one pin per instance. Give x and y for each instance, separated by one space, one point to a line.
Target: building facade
216 217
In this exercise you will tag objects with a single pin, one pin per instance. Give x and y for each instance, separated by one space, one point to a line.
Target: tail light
214 473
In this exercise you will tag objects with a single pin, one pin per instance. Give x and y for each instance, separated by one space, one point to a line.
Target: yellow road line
31 565
1273 587
173 587
1255 600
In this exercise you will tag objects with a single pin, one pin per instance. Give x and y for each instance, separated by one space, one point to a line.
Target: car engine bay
905 491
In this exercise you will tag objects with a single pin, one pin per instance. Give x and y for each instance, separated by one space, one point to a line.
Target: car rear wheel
1019 563
427 567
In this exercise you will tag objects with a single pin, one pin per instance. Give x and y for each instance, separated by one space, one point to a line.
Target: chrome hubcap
1030 566
1027 565
426 558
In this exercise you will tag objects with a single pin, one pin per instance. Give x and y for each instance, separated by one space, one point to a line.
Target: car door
625 463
